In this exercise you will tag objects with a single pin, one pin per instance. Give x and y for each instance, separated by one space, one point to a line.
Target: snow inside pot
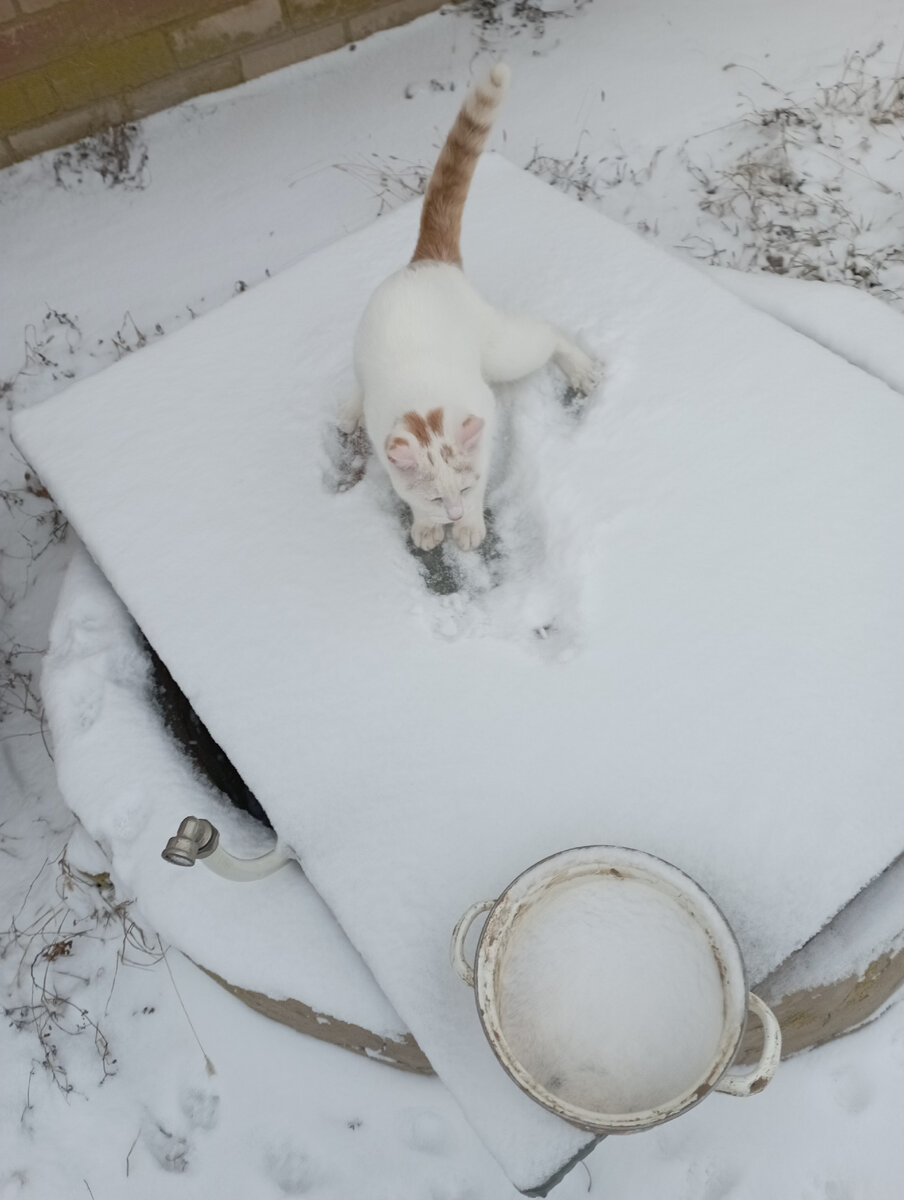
612 989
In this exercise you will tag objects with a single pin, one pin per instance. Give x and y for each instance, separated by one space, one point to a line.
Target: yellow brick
67 128
100 71
222 32
389 15
164 93
7 12
30 6
263 59
25 99
312 12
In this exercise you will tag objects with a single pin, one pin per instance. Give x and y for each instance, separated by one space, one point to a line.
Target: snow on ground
632 106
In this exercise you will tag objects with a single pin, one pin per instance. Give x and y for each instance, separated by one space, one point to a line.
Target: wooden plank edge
811 1017
402 1053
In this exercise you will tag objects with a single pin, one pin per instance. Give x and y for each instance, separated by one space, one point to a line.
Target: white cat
429 345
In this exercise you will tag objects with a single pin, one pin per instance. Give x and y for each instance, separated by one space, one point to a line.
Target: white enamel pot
666 1005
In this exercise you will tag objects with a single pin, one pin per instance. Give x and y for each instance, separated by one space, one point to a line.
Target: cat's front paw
426 537
469 534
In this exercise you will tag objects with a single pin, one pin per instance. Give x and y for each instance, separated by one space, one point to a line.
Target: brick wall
69 68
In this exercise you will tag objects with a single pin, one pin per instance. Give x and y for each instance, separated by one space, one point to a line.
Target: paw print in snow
169 1150
200 1108
291 1170
852 1089
425 1130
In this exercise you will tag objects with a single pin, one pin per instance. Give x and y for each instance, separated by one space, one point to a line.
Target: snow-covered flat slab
691 641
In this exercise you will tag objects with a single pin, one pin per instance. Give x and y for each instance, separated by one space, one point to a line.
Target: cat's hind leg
351 411
581 371
516 345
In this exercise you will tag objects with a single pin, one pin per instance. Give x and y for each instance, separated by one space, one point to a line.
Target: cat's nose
454 514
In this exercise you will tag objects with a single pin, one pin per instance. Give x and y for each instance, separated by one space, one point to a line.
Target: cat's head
433 467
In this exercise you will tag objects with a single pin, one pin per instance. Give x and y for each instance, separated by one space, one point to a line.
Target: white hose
242 870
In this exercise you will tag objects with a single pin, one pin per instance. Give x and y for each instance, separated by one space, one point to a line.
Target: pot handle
459 933
756 1078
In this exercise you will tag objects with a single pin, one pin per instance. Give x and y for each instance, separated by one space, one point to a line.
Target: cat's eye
465 490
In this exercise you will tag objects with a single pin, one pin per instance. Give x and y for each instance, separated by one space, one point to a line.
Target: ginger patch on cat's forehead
435 420
420 428
417 427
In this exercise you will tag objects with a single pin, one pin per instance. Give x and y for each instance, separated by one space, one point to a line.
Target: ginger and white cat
428 347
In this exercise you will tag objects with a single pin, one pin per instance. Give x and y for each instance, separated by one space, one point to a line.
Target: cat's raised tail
440 232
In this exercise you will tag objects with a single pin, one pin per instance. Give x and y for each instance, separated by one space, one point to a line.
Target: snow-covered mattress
692 640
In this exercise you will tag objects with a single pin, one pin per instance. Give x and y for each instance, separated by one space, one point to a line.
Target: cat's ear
400 453
470 433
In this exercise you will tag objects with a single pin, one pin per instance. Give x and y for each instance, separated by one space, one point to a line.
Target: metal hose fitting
196 839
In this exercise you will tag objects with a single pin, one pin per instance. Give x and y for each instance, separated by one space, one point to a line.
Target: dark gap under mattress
195 739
